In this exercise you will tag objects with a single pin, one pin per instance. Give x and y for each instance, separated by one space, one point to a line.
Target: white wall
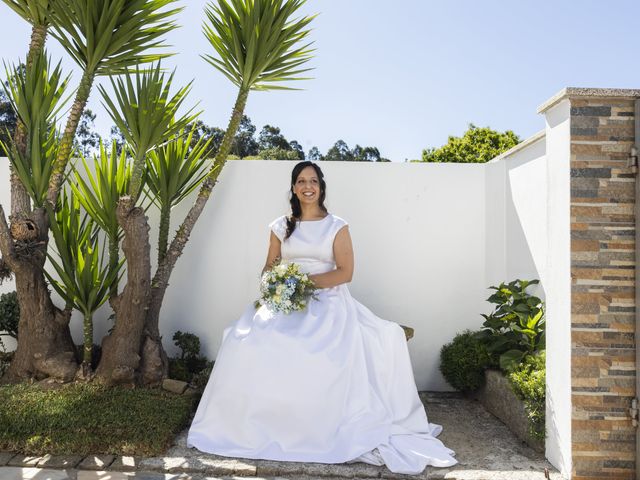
558 287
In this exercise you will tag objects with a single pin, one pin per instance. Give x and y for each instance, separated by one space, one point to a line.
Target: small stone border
205 465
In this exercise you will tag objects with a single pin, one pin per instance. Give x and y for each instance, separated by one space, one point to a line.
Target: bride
331 383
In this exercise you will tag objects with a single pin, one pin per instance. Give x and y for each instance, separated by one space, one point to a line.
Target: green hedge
463 361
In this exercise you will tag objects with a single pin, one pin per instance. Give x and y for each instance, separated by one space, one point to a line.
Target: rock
175 386
96 462
408 332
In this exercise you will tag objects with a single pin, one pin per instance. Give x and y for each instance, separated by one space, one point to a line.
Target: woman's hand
343 253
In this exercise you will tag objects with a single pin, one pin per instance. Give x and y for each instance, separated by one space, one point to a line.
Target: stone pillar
602 265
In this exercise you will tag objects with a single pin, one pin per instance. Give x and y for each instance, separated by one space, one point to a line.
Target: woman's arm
343 253
274 252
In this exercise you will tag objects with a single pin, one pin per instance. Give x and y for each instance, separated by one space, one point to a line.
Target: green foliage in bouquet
528 383
190 363
463 361
516 327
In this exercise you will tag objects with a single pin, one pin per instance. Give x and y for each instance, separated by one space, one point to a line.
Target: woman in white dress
332 383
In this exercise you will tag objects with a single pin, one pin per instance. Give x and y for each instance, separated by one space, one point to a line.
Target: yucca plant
36 93
174 170
146 113
104 37
98 190
83 277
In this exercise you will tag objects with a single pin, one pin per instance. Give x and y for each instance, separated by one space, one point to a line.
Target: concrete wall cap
524 144
577 92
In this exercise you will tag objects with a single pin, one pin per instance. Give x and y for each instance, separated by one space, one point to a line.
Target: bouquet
285 288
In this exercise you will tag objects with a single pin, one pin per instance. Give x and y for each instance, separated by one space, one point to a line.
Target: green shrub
9 314
516 327
463 361
190 362
528 383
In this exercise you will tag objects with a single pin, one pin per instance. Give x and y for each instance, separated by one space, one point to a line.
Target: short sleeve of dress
338 223
279 227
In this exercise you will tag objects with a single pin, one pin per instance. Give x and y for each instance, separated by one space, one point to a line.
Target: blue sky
404 75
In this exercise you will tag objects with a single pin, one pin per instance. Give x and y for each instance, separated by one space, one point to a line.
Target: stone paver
59 461
125 464
96 462
24 461
5 457
30 473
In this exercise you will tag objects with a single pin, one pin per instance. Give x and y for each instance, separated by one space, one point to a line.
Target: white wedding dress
331 384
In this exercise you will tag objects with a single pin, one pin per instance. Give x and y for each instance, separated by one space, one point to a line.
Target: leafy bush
9 314
477 145
516 327
190 362
528 382
463 361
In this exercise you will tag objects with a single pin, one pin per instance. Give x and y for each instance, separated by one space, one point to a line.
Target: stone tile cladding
602 288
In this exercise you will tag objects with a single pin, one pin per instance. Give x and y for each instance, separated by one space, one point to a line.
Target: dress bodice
311 243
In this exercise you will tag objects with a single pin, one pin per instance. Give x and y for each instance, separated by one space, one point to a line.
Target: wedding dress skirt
331 384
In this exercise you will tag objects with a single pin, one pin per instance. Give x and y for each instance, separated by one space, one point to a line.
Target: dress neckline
319 220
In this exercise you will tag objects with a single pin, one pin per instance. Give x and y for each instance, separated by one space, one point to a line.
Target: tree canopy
477 145
341 152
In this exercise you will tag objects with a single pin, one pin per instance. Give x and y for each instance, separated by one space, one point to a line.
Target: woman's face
307 186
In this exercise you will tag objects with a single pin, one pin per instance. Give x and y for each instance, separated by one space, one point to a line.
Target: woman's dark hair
296 210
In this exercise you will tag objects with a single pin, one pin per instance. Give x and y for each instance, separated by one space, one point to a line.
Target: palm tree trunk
45 347
163 234
114 259
137 172
66 143
121 349
165 268
88 339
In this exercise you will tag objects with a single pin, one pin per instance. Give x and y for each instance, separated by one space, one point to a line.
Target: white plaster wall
557 281
516 219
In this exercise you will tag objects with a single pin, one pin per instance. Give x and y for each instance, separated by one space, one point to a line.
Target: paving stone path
485 448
